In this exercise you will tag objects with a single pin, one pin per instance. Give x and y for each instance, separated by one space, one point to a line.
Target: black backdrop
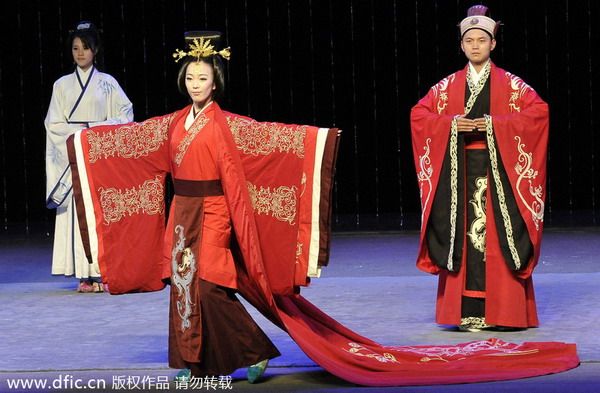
357 65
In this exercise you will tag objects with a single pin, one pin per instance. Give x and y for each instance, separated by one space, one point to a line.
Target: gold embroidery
523 166
147 198
453 189
477 231
525 171
444 353
303 184
385 357
252 137
476 90
129 141
492 347
519 87
185 142
439 91
424 176
182 277
281 203
500 191
298 251
474 323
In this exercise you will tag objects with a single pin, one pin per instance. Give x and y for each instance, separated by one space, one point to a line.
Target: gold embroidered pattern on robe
524 170
281 203
440 91
185 142
453 189
385 357
443 353
256 138
183 274
147 198
477 231
500 191
424 176
129 141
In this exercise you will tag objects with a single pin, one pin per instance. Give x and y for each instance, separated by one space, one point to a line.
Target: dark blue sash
83 89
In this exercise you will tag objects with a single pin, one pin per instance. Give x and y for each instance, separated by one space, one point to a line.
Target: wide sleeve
284 198
119 178
119 110
521 136
432 128
58 180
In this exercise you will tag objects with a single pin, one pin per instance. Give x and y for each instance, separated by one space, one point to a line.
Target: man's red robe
282 238
517 140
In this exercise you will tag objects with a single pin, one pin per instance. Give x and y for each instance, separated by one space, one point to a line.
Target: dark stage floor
48 331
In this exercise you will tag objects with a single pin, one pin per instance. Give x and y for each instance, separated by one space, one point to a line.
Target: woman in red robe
211 332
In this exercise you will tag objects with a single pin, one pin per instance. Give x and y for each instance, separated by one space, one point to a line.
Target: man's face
477 45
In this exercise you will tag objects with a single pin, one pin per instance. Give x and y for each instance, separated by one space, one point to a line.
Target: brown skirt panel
231 339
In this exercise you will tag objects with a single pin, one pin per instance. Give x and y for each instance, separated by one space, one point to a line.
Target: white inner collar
475 76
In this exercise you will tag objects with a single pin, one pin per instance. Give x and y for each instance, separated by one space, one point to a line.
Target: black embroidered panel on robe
520 234
438 225
438 232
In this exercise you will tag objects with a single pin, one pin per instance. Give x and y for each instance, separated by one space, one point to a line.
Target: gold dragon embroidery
183 274
477 230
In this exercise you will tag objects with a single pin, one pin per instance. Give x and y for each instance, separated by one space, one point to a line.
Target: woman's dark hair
218 75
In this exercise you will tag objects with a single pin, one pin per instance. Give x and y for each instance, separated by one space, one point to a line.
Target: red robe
276 179
517 141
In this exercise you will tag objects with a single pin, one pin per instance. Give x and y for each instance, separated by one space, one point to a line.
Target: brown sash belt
198 188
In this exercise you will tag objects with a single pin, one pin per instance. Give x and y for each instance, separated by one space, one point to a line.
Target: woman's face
83 56
199 81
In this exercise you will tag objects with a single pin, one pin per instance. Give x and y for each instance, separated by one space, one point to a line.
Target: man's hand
465 125
480 124
470 125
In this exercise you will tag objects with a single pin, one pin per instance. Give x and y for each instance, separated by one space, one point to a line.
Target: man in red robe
479 141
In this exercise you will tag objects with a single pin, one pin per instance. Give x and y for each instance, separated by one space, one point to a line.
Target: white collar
476 75
190 119
83 75
82 71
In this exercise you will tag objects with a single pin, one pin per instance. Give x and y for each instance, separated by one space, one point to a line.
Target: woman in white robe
84 98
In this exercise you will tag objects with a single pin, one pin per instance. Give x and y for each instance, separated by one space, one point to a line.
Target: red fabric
280 159
200 162
126 167
334 347
359 360
520 124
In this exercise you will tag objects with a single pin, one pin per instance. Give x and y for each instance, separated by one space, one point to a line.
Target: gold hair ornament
201 48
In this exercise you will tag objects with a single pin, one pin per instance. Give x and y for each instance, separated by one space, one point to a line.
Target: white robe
103 102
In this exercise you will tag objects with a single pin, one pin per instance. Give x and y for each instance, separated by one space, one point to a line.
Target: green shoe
256 371
183 376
